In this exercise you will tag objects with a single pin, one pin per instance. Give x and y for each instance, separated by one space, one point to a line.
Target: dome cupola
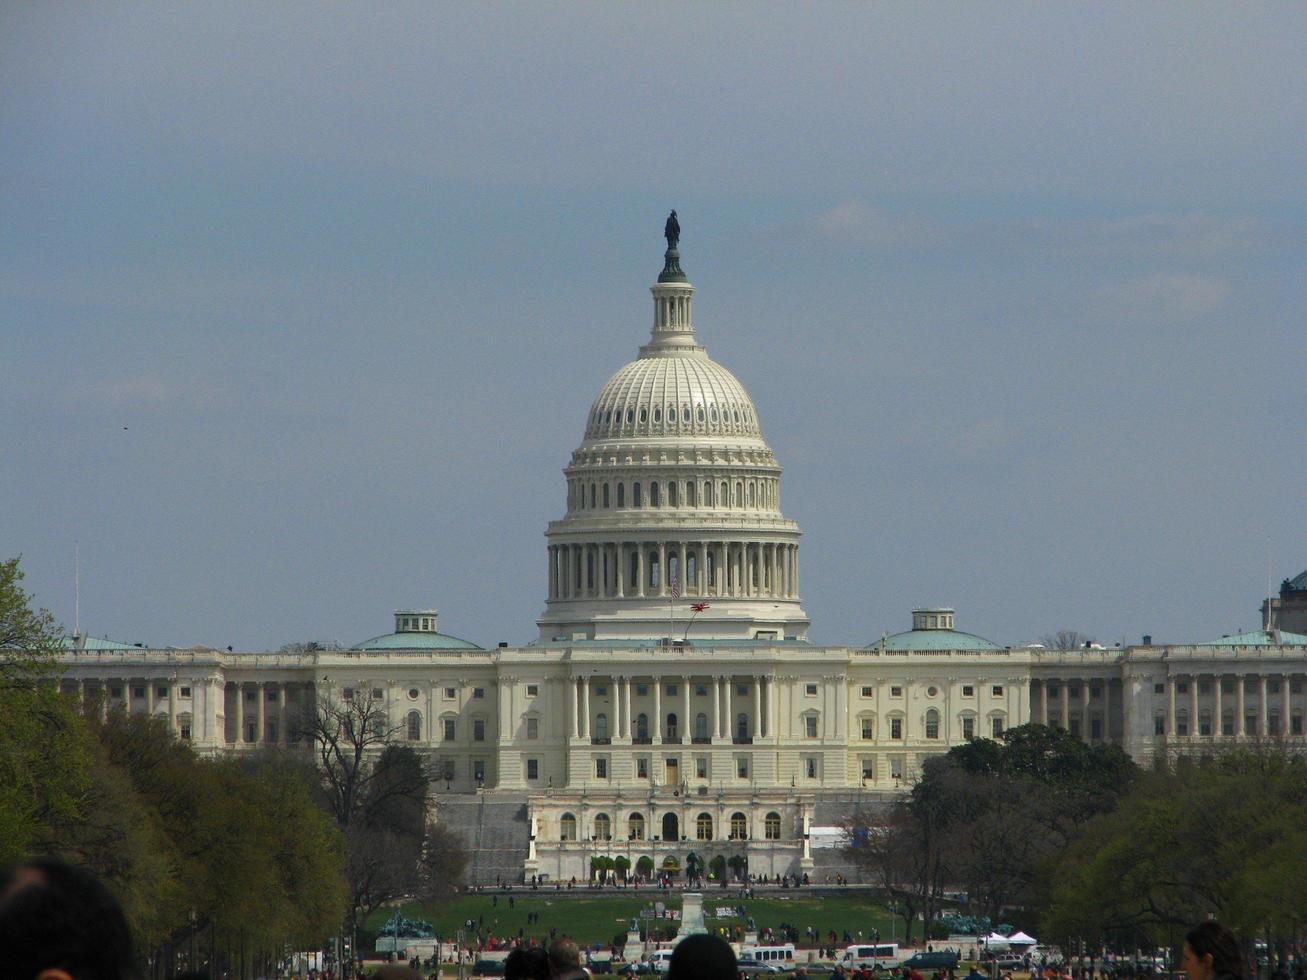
673 527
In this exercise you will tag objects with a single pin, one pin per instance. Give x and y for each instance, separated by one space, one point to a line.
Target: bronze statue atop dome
672 230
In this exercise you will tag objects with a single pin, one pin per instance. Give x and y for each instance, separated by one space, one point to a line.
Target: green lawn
591 918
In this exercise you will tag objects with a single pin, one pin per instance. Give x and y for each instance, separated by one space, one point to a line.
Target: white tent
1021 939
995 941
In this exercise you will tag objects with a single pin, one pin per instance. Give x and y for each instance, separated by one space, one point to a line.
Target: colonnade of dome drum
644 569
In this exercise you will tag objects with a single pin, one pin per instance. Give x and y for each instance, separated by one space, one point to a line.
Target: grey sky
303 306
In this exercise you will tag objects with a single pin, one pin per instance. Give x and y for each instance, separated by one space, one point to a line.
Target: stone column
640 566
1240 723
585 707
149 696
687 587
687 729
1084 709
757 707
172 707
626 706
701 570
104 698
574 708
1194 726
662 568
658 710
240 713
1043 702
715 718
1064 696
261 733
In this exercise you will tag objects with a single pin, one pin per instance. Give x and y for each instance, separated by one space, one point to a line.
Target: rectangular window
810 726
896 767
1295 724
810 690
1250 724
451 729
868 768
810 766
895 691
1204 725
641 690
1227 687
996 725
186 733
272 731
671 690
1159 724
601 690
1227 725
1095 692
478 693
1295 687
479 771
741 689
138 692
377 694
700 691
451 694
162 692
868 730
532 768
968 691
996 690
742 766
270 694
1273 687
1182 725
250 695
478 730
641 768
1182 687
1095 728
868 692
533 728
532 690
115 692
186 692
1159 688
896 728
700 767
601 768
968 727
1204 687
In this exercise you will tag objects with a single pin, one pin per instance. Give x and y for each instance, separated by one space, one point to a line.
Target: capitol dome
673 528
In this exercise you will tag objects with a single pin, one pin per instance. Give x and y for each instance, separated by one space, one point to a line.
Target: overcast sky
302 307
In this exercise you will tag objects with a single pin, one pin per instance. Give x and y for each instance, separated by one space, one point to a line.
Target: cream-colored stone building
672 707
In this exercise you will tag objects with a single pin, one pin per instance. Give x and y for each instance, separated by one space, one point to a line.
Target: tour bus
780 957
880 954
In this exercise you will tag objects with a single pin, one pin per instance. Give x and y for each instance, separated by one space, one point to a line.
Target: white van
880 954
660 960
779 958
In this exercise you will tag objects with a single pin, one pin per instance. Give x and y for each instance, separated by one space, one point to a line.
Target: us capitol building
672 708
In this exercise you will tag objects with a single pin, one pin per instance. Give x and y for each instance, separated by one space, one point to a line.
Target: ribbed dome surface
682 393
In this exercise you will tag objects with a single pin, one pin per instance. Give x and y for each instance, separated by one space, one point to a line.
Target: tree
903 849
1065 640
644 867
29 638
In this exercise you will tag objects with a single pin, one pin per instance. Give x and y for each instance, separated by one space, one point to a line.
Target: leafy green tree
29 637
644 866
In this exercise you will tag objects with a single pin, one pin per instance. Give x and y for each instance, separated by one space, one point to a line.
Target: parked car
488 968
754 967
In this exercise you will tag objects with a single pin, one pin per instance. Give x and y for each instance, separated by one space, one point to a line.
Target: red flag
698 606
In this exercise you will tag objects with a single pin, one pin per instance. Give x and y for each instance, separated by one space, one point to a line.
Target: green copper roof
416 641
1259 638
95 643
1298 583
933 639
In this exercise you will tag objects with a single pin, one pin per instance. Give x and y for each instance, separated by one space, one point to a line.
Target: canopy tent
1021 939
995 940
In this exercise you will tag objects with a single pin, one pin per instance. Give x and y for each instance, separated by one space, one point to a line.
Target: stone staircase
497 832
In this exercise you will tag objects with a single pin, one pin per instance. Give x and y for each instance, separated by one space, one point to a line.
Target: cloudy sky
302 307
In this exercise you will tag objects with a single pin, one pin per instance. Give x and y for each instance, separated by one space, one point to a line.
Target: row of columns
1264 703
203 712
722 569
1064 702
719 719
261 717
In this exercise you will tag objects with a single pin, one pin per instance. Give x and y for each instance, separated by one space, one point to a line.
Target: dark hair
564 955
55 916
527 963
1213 939
702 957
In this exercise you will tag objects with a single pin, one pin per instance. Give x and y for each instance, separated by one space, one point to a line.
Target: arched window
653 494
671 725
605 496
603 827
671 827
725 499
621 495
701 725
641 725
630 416
635 827
689 494
414 726
750 494
635 571
739 493
671 495
658 414
685 413
739 826
700 413
742 726
567 827
601 725
644 415
703 826
707 494
592 496
932 723
772 826
635 495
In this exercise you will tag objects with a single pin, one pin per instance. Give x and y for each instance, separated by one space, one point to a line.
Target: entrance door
672 772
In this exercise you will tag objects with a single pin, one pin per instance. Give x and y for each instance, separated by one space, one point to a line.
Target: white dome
681 393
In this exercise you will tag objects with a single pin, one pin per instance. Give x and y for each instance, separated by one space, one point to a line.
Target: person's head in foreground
58 922
702 958
527 963
1211 953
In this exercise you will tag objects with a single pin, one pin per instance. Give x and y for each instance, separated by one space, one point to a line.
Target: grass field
590 918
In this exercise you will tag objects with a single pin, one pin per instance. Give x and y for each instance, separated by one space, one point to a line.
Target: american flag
676 588
698 606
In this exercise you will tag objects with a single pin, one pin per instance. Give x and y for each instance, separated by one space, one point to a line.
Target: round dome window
931 692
